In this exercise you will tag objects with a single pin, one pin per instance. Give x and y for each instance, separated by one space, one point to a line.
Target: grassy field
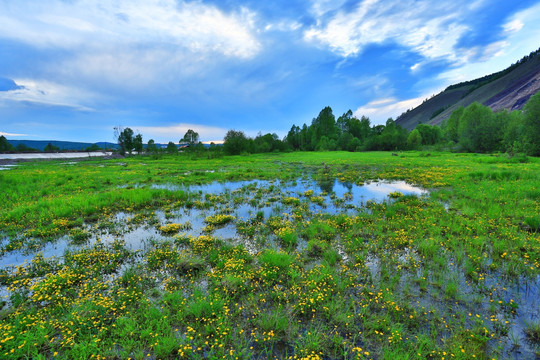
454 274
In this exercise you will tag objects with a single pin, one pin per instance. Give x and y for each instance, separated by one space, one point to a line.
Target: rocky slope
508 89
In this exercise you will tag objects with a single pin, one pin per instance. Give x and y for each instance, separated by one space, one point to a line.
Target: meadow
272 256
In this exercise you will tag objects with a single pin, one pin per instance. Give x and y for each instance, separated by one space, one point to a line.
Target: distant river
66 155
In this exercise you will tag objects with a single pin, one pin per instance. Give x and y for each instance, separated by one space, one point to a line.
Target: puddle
525 295
7 167
244 200
19 257
48 156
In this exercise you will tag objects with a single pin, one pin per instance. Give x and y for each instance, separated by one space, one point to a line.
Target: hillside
62 145
507 89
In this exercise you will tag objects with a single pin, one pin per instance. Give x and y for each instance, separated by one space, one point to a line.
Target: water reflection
245 200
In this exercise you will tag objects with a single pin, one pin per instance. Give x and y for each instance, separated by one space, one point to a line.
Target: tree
430 134
323 125
477 129
514 133
450 127
51 148
531 124
360 129
355 145
235 142
191 137
151 147
125 139
293 137
414 140
344 140
171 148
93 147
138 143
24 148
392 137
5 145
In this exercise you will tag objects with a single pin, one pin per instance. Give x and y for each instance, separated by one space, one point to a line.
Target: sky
73 70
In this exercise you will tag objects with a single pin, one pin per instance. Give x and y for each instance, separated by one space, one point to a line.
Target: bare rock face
517 95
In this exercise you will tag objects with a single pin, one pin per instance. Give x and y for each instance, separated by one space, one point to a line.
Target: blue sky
73 70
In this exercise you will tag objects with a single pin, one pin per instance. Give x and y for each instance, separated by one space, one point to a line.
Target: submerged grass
434 276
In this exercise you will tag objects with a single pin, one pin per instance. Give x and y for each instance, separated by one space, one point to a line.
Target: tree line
325 133
475 128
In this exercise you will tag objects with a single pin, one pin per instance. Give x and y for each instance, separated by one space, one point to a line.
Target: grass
412 277
532 331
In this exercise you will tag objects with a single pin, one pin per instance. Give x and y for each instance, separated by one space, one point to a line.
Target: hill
507 89
62 145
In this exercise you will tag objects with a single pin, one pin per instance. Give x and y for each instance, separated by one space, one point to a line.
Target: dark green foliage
293 138
430 134
191 137
477 129
324 124
472 127
171 148
127 142
51 148
5 146
267 143
138 143
347 133
151 146
514 132
387 138
25 149
437 112
414 140
531 125
125 139
93 147
236 142
450 127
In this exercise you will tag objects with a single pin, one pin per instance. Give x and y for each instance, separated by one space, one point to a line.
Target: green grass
410 278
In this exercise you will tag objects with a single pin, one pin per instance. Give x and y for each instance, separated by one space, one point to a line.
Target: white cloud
284 25
131 46
432 29
520 36
89 23
48 93
10 134
381 109
513 26
415 67
321 7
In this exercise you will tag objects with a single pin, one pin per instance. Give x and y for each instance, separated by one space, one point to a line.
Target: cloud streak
429 28
193 26
382 109
47 93
10 134
128 46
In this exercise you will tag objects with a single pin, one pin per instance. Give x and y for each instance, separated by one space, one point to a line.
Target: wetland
301 255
